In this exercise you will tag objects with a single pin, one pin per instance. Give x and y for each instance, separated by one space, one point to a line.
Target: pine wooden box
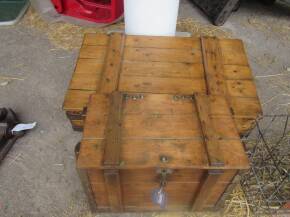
130 139
172 65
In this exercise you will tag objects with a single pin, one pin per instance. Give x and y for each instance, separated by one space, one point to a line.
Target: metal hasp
218 10
8 120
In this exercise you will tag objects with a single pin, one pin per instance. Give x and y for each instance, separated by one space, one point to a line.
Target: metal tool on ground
10 130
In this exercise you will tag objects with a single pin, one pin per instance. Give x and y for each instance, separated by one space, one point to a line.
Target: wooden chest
168 65
133 143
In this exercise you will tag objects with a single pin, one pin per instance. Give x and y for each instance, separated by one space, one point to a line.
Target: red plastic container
99 11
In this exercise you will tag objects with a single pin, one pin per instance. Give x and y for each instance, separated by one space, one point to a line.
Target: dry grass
69 36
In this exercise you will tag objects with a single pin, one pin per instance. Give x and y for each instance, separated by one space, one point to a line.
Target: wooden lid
129 131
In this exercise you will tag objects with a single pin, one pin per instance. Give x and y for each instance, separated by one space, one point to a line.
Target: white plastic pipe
151 17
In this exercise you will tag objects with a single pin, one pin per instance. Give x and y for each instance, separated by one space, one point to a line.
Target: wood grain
113 64
112 141
213 66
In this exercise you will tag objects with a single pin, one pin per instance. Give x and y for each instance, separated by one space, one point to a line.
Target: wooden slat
163 104
233 52
245 107
113 186
213 66
241 88
111 152
162 55
83 174
163 70
244 125
112 142
205 189
101 196
211 188
237 72
76 100
209 133
113 63
222 138
87 75
149 175
96 39
134 154
77 124
97 115
186 153
91 154
161 85
169 126
140 194
163 42
93 52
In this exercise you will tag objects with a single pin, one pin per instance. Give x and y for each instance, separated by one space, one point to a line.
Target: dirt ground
38 177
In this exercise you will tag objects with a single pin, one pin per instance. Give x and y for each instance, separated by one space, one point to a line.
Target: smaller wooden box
133 142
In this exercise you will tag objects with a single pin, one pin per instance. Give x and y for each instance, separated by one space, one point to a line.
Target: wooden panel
241 88
101 196
219 188
96 39
91 156
162 69
162 42
209 133
112 141
206 189
113 186
162 85
233 52
162 55
244 125
139 194
218 106
86 182
236 72
88 189
149 208
245 107
77 123
134 154
179 135
87 75
150 175
76 100
113 64
180 153
93 52
97 115
169 126
222 139
234 154
158 104
213 66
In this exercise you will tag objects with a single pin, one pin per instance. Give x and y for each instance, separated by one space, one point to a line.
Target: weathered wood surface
140 128
170 65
